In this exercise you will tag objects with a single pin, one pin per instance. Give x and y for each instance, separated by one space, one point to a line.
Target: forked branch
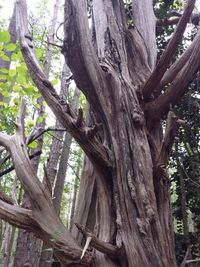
180 83
152 83
41 202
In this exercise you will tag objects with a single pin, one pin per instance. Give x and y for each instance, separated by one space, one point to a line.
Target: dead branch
166 57
104 247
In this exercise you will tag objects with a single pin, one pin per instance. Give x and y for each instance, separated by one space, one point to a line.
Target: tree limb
17 216
104 247
180 83
166 57
41 202
80 55
61 109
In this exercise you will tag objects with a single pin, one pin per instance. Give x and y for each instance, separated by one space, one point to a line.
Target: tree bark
126 144
8 243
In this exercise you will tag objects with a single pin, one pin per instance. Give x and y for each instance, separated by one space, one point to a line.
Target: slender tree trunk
28 244
47 253
74 197
183 199
62 170
8 243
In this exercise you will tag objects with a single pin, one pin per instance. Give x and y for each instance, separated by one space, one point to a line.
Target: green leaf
12 73
15 57
16 88
3 77
39 52
40 120
5 94
16 101
3 104
54 82
34 144
10 47
4 36
4 70
5 58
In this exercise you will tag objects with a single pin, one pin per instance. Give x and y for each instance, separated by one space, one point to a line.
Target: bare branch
11 168
166 57
17 216
180 83
175 68
80 54
104 247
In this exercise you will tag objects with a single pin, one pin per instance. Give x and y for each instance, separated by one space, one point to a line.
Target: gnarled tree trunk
129 97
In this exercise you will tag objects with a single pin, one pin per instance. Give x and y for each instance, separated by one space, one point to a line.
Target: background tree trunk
29 247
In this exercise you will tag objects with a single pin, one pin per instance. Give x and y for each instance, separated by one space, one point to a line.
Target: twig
57 32
38 153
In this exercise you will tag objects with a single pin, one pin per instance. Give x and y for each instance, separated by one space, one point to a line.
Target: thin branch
11 168
57 32
38 132
166 57
53 44
185 257
104 247
192 261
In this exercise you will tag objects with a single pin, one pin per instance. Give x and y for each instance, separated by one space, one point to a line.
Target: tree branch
180 83
17 216
166 57
11 168
80 55
60 107
104 247
168 140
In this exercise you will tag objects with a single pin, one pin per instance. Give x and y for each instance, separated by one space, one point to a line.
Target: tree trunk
8 243
74 197
61 175
129 96
47 253
133 204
